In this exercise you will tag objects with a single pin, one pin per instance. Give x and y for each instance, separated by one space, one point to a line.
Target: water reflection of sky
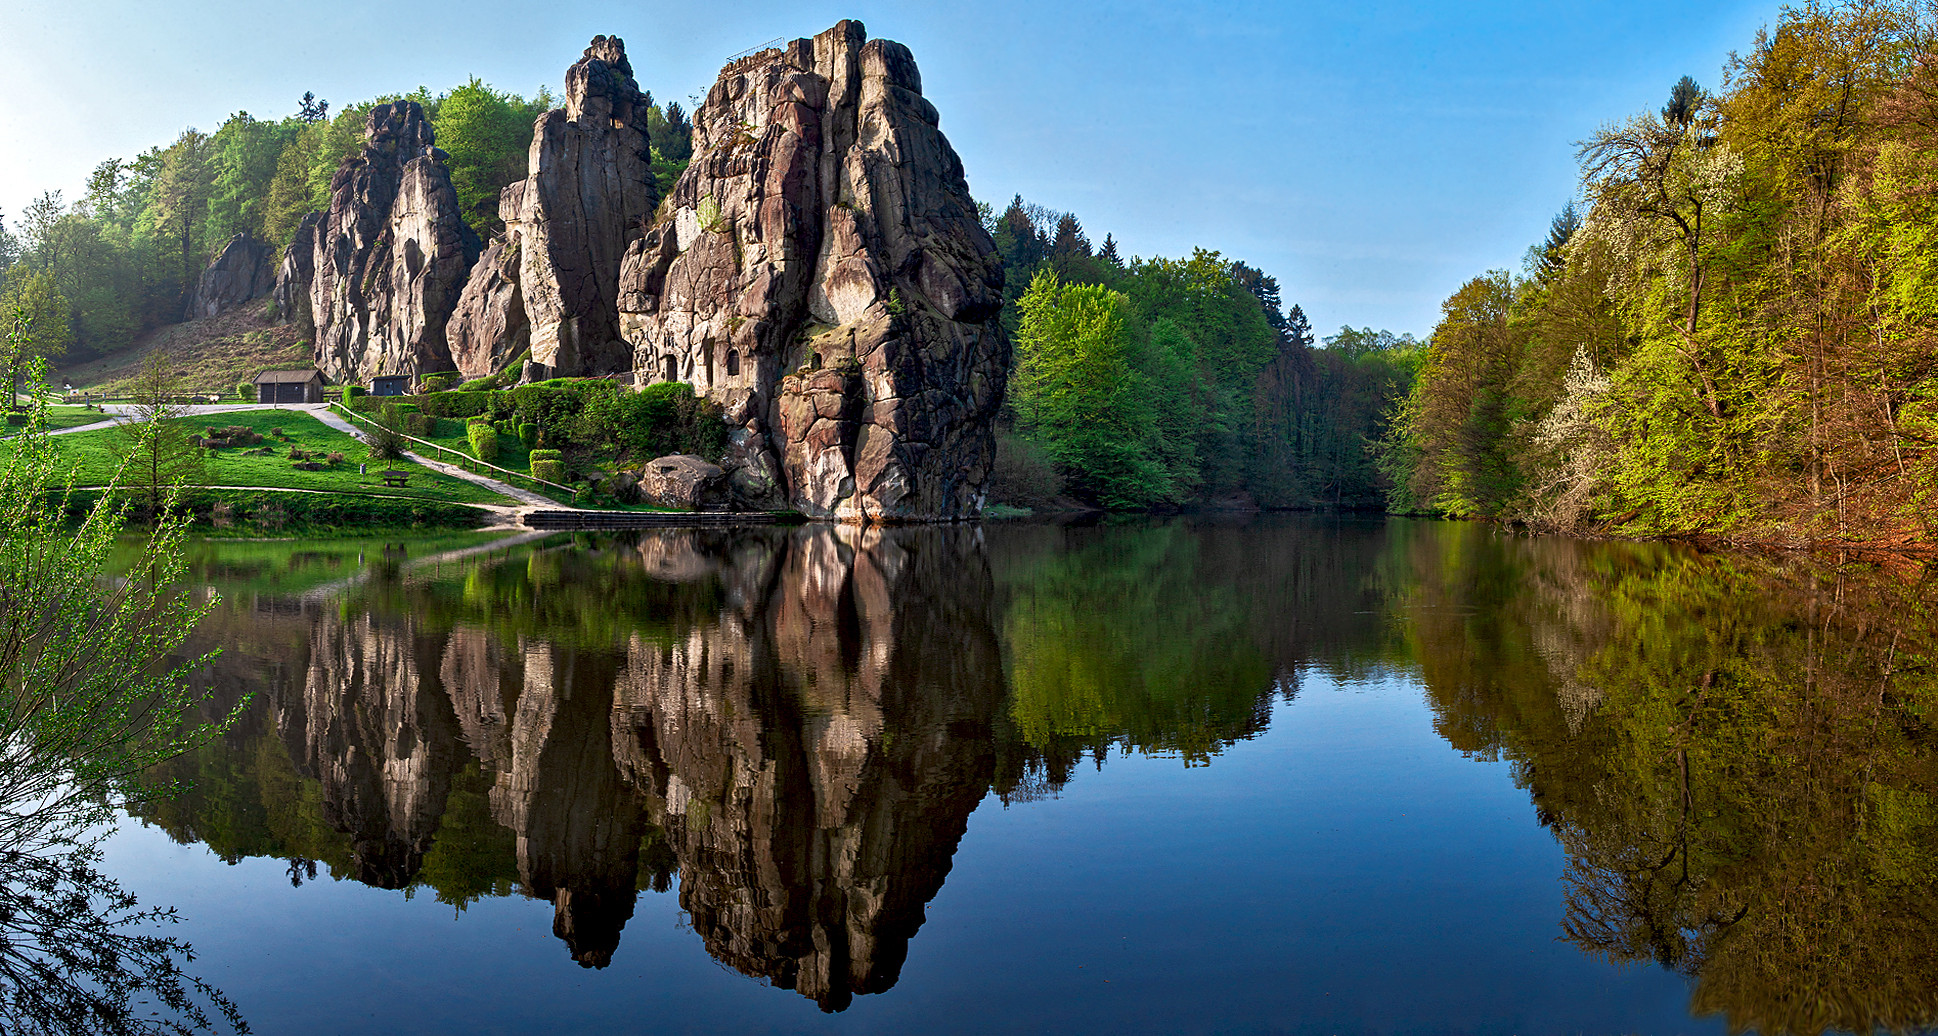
1344 872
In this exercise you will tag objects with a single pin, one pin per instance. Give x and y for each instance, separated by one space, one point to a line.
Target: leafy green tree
1075 393
158 453
37 328
488 134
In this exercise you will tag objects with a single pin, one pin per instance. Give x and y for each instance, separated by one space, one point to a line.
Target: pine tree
1108 253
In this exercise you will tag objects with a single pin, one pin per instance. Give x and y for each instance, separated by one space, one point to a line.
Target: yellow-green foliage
1757 275
484 440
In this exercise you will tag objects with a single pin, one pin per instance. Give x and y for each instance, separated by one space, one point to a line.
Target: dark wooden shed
299 386
390 385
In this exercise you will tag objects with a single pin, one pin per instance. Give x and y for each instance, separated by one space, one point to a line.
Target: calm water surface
1280 776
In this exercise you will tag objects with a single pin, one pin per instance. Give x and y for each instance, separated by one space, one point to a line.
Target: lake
1278 775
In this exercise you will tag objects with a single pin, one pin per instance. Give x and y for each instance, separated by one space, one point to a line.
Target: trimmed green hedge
549 470
484 441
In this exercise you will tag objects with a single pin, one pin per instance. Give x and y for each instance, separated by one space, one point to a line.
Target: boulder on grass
683 482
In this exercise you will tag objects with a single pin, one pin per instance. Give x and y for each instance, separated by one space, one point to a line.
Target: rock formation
242 272
821 271
552 281
390 256
682 482
293 277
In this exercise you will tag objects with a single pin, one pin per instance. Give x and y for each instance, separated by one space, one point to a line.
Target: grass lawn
93 453
59 417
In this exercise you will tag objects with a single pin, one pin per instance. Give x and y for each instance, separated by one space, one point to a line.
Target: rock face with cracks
242 272
820 270
293 276
390 256
551 283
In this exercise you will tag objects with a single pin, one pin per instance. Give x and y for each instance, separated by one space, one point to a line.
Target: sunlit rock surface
821 271
551 282
390 256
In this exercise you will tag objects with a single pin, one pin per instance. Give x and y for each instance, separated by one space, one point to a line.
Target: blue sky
1371 156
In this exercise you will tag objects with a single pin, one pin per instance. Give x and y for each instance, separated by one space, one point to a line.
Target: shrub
421 425
335 457
538 455
384 443
439 382
354 392
528 434
246 391
484 441
298 453
549 470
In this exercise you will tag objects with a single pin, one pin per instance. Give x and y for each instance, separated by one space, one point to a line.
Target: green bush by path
484 441
94 456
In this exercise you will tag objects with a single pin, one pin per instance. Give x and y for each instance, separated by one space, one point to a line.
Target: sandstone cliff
552 281
293 276
821 271
242 272
390 256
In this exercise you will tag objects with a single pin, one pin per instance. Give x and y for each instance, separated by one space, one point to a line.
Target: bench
394 478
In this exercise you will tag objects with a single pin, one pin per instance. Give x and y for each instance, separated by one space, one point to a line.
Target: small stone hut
297 386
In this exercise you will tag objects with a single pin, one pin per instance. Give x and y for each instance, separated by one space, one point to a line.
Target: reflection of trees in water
1172 638
80 957
796 722
1739 758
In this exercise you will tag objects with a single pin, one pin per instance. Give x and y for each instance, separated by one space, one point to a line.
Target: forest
98 272
1157 384
1733 335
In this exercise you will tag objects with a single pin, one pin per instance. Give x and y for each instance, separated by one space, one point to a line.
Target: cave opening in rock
669 367
733 363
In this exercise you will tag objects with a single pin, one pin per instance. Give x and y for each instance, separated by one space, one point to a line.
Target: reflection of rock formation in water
374 726
578 825
815 757
805 716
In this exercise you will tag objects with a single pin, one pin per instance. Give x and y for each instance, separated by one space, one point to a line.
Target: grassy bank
251 514
95 459
59 417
